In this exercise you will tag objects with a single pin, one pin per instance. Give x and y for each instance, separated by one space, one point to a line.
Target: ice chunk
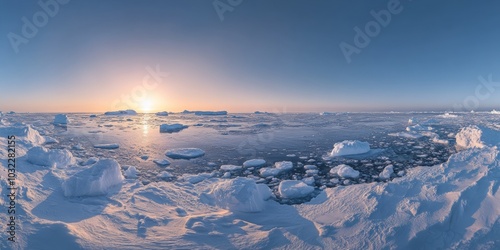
240 195
94 181
107 146
163 113
122 112
165 175
230 167
350 148
185 153
448 115
61 119
495 112
292 189
254 163
171 128
210 112
195 178
477 137
266 172
309 181
345 171
131 172
90 161
283 165
387 172
59 158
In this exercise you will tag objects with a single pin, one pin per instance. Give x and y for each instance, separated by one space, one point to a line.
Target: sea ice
350 148
107 146
267 172
185 153
94 181
292 189
210 112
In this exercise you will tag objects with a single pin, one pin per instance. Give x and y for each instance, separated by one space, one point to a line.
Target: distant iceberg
210 112
122 112
61 119
162 113
171 128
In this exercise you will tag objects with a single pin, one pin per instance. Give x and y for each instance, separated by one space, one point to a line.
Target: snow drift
240 195
95 181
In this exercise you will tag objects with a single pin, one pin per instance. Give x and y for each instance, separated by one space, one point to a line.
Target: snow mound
350 148
254 163
122 112
171 128
185 153
61 119
230 167
345 171
449 206
240 195
94 181
107 146
477 137
131 172
59 158
210 112
163 113
291 189
26 133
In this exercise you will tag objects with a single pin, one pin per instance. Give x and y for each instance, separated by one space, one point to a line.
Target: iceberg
349 148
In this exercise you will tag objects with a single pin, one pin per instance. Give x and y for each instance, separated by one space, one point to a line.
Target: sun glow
146 106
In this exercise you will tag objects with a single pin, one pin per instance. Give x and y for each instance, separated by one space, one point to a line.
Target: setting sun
146 106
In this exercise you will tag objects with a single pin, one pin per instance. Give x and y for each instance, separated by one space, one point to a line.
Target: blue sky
264 55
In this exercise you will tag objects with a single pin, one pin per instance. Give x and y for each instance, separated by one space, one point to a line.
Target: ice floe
240 195
107 146
171 128
122 112
185 153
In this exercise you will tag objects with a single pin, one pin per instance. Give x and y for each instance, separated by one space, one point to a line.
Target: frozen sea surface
232 139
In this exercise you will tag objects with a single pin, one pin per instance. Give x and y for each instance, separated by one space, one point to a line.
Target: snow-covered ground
210 195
